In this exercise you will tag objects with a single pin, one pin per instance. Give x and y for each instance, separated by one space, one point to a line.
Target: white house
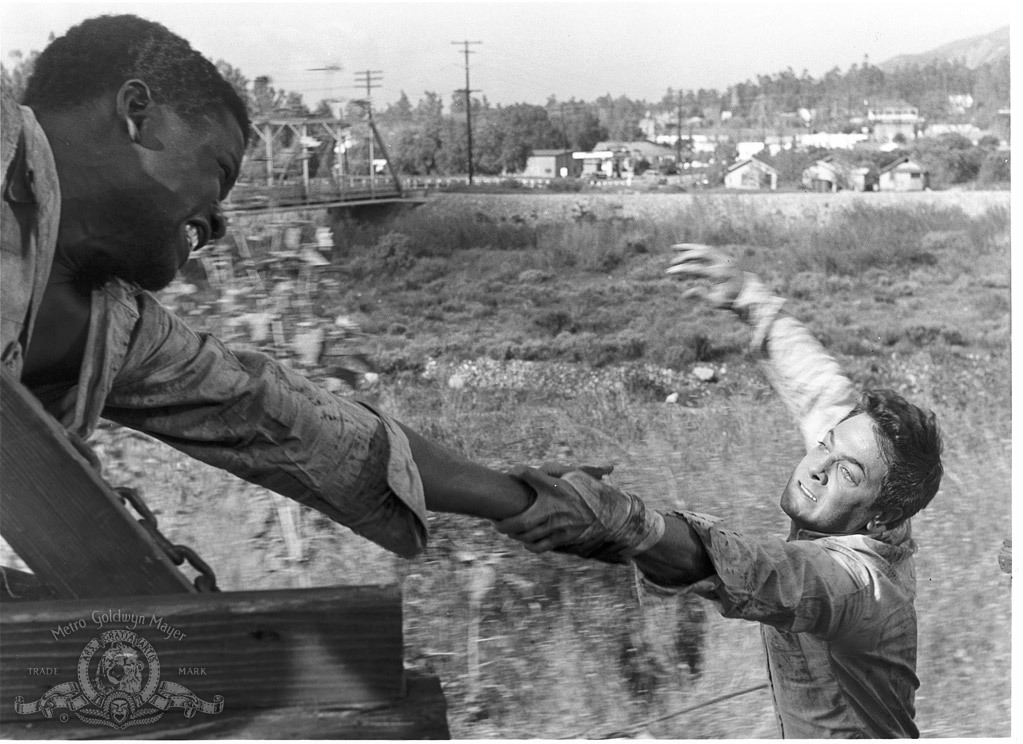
751 174
903 175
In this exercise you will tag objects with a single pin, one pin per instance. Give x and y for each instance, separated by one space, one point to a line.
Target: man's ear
138 112
887 518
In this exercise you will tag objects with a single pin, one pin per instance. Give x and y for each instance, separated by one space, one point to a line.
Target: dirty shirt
836 611
237 410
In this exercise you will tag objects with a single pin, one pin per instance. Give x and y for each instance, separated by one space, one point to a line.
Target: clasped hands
559 516
575 510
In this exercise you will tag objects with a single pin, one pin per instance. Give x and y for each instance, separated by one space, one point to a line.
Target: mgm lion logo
119 686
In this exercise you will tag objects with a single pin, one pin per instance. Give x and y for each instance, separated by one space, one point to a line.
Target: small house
628 158
903 175
864 177
551 164
826 174
751 174
602 164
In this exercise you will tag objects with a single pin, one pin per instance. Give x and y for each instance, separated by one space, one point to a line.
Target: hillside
975 51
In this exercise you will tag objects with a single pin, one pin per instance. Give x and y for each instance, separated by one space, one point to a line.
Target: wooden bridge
345 191
303 162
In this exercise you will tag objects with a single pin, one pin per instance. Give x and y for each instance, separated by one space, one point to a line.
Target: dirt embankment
544 207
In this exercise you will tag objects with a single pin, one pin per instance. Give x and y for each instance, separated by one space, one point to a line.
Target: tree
237 80
266 100
523 128
397 112
995 168
725 153
16 78
951 158
415 145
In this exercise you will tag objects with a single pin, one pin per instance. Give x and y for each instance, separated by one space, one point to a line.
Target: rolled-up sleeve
254 417
801 586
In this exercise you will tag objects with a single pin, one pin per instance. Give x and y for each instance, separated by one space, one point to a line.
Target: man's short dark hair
910 444
102 53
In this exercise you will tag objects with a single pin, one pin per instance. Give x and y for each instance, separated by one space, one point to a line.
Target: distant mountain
975 51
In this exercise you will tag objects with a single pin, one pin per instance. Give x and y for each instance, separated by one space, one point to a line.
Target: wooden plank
62 519
257 650
421 714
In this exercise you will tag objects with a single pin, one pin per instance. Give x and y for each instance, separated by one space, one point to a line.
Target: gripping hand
578 514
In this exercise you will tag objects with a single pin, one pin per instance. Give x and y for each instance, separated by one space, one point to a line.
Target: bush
867 236
554 321
565 185
995 168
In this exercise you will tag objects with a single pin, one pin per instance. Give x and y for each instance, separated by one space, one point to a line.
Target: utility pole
339 166
678 132
370 79
468 100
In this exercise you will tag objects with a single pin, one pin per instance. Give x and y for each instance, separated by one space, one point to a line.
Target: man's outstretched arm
679 557
457 485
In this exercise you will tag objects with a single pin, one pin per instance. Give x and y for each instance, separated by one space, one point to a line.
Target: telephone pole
468 100
678 132
370 79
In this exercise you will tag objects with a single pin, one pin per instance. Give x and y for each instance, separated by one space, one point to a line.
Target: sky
529 51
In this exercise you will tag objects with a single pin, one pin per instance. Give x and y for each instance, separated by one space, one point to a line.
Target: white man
835 598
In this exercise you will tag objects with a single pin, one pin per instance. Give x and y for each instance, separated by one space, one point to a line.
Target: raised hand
721 282
718 277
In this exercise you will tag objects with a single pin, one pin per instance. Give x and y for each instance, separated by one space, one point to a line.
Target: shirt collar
899 537
18 184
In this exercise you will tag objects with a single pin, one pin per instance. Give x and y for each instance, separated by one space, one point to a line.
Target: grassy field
519 329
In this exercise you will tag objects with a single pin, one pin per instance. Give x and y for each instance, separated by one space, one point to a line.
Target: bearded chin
140 248
149 266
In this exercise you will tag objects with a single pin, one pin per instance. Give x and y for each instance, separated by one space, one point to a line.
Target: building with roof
657 156
891 119
552 164
826 174
903 175
751 175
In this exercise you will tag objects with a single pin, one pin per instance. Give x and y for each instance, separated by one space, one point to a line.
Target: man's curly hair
100 54
910 444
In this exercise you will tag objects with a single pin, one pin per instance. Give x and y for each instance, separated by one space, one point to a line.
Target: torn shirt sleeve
249 414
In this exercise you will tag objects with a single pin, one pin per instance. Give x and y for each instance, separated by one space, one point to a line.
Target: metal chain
206 581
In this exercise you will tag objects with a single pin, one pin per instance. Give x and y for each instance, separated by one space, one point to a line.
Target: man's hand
719 278
721 282
578 514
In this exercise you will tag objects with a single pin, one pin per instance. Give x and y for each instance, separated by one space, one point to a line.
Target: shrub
554 321
995 168
866 236
565 185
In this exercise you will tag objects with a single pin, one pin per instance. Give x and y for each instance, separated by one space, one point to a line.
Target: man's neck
57 347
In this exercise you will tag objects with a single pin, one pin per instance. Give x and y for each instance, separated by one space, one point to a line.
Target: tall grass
889 237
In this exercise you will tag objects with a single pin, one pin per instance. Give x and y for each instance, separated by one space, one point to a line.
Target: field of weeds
520 329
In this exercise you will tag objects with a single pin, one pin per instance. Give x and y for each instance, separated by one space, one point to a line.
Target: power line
370 80
468 101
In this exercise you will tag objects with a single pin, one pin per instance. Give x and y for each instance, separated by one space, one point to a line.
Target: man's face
162 200
834 487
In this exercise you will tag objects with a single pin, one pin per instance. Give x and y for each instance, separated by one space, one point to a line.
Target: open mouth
197 235
807 493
